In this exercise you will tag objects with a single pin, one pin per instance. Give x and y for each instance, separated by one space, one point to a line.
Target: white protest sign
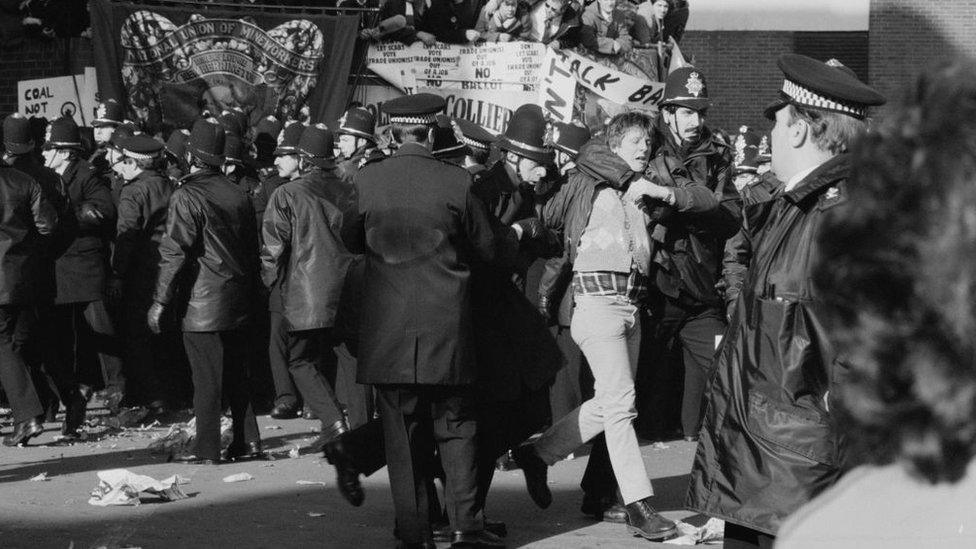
55 97
489 110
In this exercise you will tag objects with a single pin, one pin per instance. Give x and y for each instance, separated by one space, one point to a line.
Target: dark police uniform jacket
767 444
210 245
421 229
83 267
303 254
26 218
143 204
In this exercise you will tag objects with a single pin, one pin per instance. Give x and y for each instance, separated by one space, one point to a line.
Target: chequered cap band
807 97
473 143
138 156
422 119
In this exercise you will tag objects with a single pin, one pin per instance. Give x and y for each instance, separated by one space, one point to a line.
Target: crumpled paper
179 439
122 487
239 477
712 531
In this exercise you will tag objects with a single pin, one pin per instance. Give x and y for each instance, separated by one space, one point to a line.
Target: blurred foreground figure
902 311
767 443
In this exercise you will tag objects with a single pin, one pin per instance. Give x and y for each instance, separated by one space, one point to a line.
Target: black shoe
347 477
241 452
286 411
644 521
24 431
481 539
496 527
605 509
536 473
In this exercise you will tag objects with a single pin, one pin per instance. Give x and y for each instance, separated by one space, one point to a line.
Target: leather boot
481 539
24 431
644 521
338 454
536 474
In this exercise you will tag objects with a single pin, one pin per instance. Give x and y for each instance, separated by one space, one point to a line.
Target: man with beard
356 141
81 322
210 251
768 410
143 203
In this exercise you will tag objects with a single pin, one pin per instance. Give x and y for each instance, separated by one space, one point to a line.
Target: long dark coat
210 246
143 203
766 442
420 227
83 267
303 253
516 351
26 217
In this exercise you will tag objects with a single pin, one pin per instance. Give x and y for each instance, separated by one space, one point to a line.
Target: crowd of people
145 268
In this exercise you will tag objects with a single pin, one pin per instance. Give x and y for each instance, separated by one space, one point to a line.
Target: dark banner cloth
170 62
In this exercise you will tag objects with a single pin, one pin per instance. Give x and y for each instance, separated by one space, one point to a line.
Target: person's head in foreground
898 268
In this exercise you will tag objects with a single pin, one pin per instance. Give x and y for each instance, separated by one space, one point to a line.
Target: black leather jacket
26 217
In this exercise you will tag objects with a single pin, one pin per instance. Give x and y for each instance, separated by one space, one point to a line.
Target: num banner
172 62
486 82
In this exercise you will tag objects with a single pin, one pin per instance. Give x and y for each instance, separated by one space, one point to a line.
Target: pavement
274 510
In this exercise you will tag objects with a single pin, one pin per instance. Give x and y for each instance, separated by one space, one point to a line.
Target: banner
508 66
171 62
484 83
52 98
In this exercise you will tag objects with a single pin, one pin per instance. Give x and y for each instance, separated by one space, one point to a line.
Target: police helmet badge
101 111
694 85
740 146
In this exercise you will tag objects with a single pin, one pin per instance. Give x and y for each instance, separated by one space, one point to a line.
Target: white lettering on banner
56 97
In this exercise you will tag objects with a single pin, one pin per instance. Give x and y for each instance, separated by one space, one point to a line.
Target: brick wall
906 36
740 69
35 58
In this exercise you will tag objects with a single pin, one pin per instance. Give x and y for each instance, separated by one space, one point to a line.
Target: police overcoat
766 441
303 253
210 247
421 228
143 204
83 267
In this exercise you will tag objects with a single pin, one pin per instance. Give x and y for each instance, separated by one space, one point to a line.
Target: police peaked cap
140 146
17 138
206 143
414 109
317 145
64 134
526 134
475 136
445 140
826 86
358 122
233 149
686 87
109 113
569 138
234 121
289 138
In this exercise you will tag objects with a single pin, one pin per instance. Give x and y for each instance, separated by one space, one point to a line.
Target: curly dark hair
897 270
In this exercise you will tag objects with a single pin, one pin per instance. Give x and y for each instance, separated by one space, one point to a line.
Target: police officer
108 116
478 141
143 204
356 141
81 320
287 398
423 223
303 256
768 409
210 250
26 218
